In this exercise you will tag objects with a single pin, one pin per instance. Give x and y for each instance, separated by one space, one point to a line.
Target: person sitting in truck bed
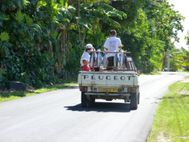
85 58
112 44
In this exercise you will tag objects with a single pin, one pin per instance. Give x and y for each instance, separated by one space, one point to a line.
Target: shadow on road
101 107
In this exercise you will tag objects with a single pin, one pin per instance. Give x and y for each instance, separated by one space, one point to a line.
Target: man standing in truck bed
112 44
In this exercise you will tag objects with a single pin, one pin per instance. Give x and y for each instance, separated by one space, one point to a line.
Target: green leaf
3 16
41 3
4 36
29 20
19 16
25 2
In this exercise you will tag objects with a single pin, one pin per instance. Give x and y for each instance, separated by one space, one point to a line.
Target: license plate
108 90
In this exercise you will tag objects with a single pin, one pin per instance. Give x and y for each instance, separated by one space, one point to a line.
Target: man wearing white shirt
112 45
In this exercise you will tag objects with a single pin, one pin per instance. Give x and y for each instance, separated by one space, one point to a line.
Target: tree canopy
41 40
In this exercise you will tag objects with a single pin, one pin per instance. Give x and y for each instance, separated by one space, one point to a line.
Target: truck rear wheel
138 98
86 101
83 99
134 99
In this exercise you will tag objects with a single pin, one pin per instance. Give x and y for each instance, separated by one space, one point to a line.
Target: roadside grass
171 123
7 96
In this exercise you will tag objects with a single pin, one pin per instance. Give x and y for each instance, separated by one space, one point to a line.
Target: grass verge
7 96
171 123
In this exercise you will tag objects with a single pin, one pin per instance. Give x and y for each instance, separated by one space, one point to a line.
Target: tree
40 40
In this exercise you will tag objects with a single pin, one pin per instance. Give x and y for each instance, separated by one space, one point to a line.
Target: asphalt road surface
58 116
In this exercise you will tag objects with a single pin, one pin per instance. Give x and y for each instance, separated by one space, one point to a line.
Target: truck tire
138 98
134 99
92 100
83 99
86 101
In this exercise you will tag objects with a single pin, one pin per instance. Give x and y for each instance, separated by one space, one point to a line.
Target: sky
183 7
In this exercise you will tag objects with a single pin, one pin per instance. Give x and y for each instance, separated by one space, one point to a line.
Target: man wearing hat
85 58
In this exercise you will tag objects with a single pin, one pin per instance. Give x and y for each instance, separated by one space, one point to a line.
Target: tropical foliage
179 59
42 40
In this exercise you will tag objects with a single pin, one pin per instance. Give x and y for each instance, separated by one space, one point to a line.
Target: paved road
58 117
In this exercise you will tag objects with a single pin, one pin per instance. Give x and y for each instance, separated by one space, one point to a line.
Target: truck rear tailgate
108 79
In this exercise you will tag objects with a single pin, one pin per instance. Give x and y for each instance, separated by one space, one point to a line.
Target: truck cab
118 82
